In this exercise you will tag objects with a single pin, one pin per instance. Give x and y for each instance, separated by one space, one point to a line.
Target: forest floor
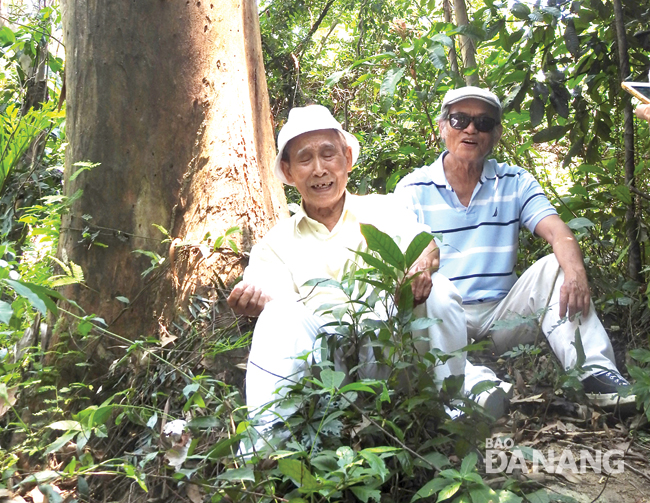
556 427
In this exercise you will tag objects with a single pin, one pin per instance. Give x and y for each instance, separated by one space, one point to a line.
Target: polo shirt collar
301 214
437 172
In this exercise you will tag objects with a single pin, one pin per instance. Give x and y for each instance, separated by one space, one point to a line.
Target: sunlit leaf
416 247
383 244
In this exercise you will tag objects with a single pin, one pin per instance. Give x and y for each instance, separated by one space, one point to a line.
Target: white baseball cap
471 92
304 120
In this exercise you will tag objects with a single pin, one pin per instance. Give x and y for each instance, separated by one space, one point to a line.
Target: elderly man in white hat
316 155
479 205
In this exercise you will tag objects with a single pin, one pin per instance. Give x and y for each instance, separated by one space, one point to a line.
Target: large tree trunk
631 220
467 48
170 99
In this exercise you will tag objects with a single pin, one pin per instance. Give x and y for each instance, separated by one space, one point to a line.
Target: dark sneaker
603 388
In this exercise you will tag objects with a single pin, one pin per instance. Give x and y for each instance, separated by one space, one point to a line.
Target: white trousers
529 296
287 331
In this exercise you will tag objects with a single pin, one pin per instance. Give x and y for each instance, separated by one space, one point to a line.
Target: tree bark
467 48
453 57
631 220
170 99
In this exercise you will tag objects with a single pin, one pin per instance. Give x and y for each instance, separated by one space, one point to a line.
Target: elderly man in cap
479 205
316 155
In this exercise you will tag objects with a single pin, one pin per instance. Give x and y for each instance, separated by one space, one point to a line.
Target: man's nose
319 167
471 127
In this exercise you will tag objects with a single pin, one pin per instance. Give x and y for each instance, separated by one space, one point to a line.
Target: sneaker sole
611 400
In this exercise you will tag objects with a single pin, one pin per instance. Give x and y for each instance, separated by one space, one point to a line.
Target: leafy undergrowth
167 419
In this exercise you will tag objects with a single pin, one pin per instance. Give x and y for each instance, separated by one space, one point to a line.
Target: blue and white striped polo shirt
479 243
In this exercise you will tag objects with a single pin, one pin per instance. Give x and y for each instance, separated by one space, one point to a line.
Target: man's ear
498 131
442 129
348 157
287 171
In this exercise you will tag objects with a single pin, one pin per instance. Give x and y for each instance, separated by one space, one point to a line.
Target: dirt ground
554 426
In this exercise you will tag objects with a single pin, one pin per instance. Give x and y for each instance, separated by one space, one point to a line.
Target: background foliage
382 66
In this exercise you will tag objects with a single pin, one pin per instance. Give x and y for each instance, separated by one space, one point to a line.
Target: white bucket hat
304 120
471 92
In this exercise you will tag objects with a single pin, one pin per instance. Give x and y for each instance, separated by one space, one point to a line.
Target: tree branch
314 27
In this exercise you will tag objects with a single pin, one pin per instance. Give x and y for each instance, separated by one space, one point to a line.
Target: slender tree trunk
170 99
631 221
467 49
453 57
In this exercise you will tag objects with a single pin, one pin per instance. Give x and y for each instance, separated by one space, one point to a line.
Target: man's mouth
470 142
322 185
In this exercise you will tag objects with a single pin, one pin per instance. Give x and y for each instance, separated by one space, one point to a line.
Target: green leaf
161 229
38 296
468 464
437 459
66 426
505 496
83 166
449 491
549 134
571 38
7 36
483 495
299 474
416 247
357 386
331 379
40 477
430 488
365 493
204 422
6 312
51 495
376 464
124 300
438 57
153 420
539 496
641 355
580 350
520 11
423 323
335 77
387 87
622 193
323 282
60 442
238 475
378 264
482 386
536 112
580 223
223 447
384 245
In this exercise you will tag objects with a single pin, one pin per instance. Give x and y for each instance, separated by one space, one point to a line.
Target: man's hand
247 299
421 284
574 294
643 112
427 262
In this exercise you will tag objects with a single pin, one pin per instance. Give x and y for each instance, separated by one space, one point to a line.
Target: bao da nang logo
501 455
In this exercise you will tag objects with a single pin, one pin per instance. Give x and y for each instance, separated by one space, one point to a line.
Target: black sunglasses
482 123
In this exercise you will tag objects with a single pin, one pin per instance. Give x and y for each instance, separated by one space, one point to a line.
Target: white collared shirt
299 248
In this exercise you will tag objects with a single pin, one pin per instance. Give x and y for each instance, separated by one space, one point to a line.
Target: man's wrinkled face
319 163
470 144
